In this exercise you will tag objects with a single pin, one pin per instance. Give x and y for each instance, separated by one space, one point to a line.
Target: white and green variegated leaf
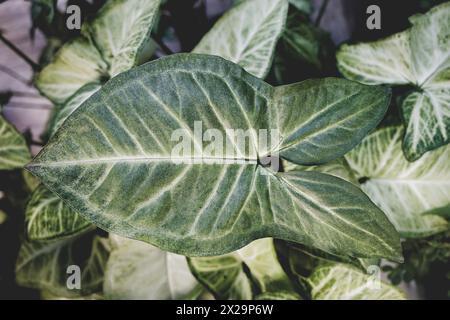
113 160
419 56
137 270
108 45
403 190
72 104
225 276
247 34
47 217
344 282
14 152
121 30
77 63
384 61
43 265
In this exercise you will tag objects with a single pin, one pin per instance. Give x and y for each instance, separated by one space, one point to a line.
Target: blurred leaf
48 218
226 276
43 265
344 282
14 151
109 44
302 5
247 34
137 270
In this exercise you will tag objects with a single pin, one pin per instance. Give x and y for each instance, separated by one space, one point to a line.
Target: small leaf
112 161
343 282
247 34
403 190
225 276
47 217
107 46
43 265
14 151
137 270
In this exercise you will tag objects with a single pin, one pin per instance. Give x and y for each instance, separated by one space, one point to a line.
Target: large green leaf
47 217
403 190
43 265
343 282
226 277
14 152
107 46
137 270
420 57
112 160
247 34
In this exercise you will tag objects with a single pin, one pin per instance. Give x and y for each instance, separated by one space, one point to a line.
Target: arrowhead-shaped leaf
403 190
247 34
14 151
112 160
419 56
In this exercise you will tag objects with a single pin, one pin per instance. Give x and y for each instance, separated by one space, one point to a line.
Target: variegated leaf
14 151
44 265
247 34
343 282
225 277
403 190
137 270
108 45
113 160
121 30
47 217
419 56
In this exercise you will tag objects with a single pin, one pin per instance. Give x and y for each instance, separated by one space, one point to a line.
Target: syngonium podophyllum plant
108 164
418 57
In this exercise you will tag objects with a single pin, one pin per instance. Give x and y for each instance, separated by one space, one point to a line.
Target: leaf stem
20 53
322 10
14 74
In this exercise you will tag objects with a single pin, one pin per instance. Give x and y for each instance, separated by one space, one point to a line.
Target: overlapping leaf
43 265
110 44
419 56
247 34
14 151
343 282
47 217
137 270
112 160
226 277
404 191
